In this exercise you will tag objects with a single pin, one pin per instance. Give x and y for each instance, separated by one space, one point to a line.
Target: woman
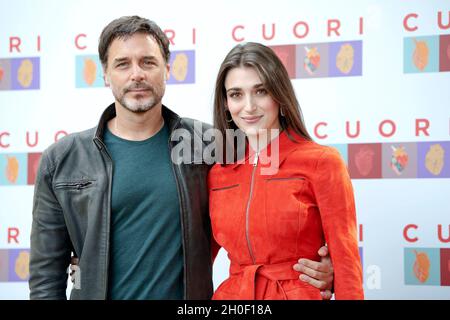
286 197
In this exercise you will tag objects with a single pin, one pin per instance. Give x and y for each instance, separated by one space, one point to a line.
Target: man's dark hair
125 27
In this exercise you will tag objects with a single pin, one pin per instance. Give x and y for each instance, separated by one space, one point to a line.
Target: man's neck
136 126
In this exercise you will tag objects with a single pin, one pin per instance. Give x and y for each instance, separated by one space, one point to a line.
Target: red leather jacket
267 222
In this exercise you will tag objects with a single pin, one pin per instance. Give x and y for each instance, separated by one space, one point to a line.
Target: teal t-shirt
146 255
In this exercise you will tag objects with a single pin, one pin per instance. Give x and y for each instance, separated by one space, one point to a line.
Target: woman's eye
261 91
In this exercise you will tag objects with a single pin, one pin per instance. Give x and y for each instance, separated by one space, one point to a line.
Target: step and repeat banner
372 77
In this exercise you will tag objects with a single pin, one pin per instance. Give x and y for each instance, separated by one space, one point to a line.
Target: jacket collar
282 142
170 117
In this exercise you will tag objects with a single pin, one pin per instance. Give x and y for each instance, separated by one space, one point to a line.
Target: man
112 197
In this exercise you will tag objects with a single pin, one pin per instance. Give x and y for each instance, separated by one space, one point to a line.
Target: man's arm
318 274
50 243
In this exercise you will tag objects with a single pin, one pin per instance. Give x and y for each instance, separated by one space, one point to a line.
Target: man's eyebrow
149 57
116 60
121 59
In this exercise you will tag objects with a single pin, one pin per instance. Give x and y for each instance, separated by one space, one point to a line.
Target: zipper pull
255 160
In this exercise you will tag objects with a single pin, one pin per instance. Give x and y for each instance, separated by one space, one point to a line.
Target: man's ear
167 73
105 79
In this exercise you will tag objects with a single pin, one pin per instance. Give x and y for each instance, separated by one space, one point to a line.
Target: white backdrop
389 86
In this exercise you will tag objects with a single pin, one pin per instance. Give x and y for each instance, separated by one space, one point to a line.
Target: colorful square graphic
25 73
399 160
364 161
33 164
421 266
433 159
361 256
19 262
287 55
5 74
182 67
312 60
421 54
445 266
4 265
88 72
444 52
13 169
345 59
343 150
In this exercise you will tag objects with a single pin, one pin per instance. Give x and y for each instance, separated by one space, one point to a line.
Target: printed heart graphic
1 74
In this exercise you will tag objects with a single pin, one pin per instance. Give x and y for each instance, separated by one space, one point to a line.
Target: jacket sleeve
335 199
215 247
50 245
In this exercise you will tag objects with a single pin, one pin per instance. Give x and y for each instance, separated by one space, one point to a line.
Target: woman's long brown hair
275 79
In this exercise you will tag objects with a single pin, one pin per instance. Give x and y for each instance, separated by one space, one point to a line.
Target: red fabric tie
275 272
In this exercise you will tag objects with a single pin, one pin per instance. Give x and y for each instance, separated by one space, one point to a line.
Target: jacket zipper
225 188
180 197
108 220
108 217
287 178
247 211
83 184
78 185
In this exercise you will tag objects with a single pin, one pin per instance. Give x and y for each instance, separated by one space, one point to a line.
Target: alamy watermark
210 146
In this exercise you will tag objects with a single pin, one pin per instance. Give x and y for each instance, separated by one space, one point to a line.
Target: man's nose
137 73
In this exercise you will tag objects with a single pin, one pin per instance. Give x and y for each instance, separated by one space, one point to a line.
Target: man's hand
318 274
73 263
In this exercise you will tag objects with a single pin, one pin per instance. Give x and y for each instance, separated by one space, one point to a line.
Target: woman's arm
334 194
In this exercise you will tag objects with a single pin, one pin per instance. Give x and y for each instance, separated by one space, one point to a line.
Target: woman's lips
251 119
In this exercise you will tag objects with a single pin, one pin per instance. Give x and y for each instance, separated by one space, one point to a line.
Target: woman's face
251 106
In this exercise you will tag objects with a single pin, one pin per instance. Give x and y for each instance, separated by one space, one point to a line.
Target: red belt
275 272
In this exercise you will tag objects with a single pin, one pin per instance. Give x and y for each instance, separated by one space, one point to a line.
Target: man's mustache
138 86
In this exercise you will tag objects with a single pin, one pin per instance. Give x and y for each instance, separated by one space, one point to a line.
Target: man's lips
139 90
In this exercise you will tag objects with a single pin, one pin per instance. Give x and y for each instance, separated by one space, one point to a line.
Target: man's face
136 72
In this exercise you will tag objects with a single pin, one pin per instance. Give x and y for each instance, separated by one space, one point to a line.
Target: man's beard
140 106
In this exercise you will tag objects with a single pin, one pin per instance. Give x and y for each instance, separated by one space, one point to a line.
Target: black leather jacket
72 209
